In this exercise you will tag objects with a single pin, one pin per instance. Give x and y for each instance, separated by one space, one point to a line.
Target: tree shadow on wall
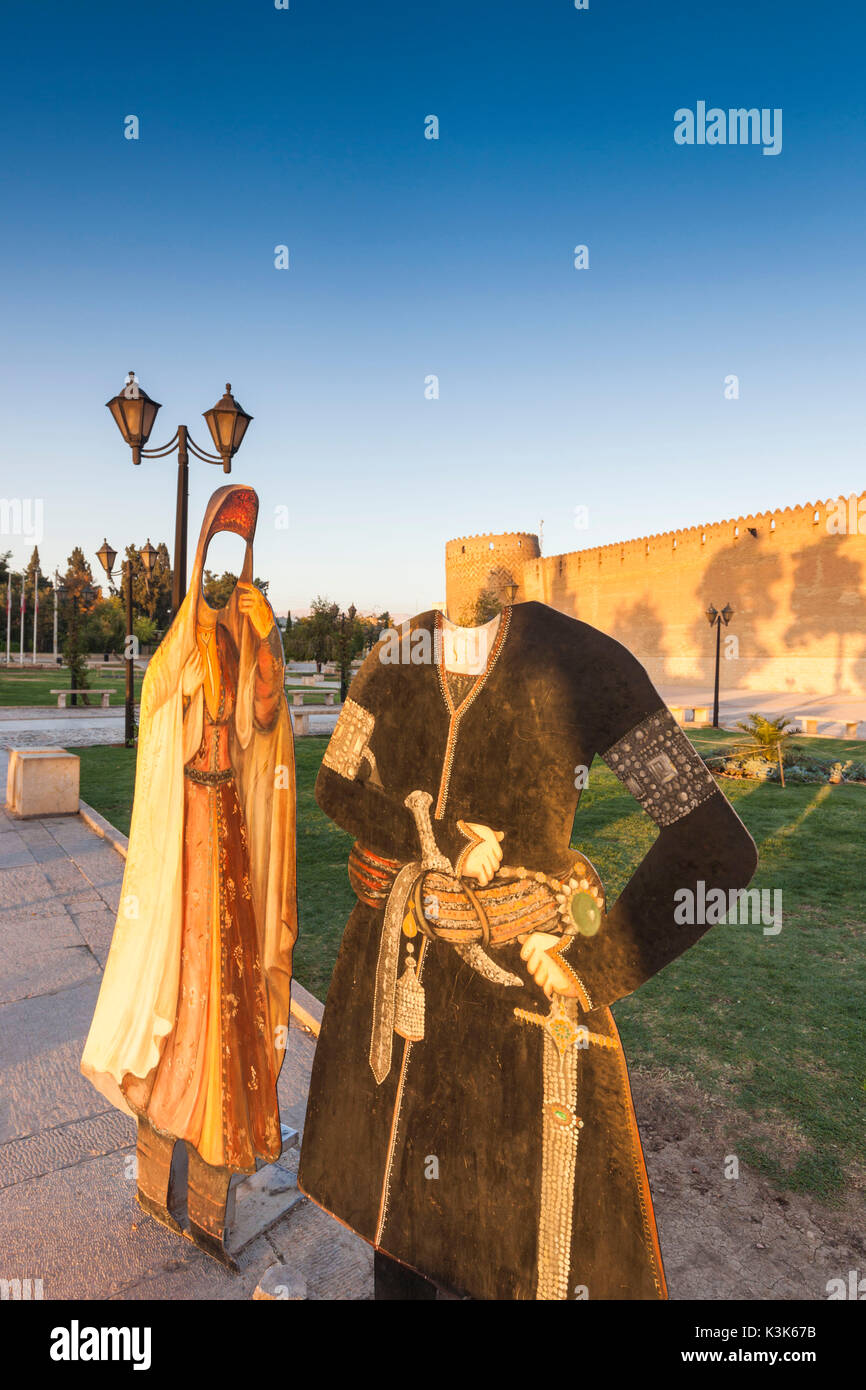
494 593
642 630
743 575
827 598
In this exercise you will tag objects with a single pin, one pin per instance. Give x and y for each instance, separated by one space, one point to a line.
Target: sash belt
451 910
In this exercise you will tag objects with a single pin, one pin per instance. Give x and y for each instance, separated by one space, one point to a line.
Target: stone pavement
67 1209
831 711
36 726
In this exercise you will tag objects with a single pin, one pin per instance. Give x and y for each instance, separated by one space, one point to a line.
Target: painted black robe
471 1094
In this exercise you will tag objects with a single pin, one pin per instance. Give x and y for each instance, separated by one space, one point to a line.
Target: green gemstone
585 913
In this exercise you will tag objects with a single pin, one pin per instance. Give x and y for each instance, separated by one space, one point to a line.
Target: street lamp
227 422
148 558
134 414
107 555
715 619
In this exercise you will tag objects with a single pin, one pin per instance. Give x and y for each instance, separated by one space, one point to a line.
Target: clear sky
559 388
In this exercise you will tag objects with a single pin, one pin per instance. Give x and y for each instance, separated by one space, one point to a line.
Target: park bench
301 716
696 715
809 725
62 694
298 698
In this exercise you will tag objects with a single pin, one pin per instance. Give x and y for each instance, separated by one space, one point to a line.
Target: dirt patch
734 1237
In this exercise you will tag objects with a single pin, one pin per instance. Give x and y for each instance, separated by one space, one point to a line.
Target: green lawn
22 686
771 1027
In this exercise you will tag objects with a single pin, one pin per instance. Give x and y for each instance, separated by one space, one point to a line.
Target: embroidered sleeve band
348 746
658 765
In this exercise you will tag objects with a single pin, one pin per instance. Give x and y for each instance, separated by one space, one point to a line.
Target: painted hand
545 969
483 859
193 674
253 604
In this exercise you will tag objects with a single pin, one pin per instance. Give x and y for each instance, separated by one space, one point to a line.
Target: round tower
487 568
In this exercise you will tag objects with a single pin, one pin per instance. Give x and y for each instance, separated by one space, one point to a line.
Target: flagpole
21 652
35 610
56 581
8 616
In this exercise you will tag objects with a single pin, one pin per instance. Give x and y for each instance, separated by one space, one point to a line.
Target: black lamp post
343 641
715 619
134 414
107 556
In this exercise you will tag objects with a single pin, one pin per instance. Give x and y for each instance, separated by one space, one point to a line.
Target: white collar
466 649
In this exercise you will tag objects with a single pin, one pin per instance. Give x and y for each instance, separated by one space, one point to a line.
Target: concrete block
258 1201
42 782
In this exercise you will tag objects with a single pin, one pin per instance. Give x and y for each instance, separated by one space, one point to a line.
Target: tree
313 638
35 580
79 598
78 578
105 628
151 594
33 565
145 630
218 589
486 606
327 634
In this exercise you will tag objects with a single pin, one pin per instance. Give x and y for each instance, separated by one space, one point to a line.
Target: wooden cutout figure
470 1113
191 1023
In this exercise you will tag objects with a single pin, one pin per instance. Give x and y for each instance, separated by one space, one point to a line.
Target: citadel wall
795 578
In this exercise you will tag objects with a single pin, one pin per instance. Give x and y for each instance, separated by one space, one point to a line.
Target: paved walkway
36 726
67 1209
831 711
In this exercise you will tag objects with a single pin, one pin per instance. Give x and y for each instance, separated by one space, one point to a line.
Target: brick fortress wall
796 579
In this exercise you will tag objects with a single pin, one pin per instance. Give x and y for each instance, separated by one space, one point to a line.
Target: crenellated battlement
795 576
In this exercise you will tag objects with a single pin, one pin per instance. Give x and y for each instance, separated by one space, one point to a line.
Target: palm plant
767 738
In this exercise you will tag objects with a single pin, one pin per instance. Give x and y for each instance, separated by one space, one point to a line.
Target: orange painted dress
215 1085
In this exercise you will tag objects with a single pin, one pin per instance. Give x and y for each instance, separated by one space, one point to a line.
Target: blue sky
559 388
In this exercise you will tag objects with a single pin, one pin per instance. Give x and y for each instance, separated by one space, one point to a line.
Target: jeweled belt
209 779
516 901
